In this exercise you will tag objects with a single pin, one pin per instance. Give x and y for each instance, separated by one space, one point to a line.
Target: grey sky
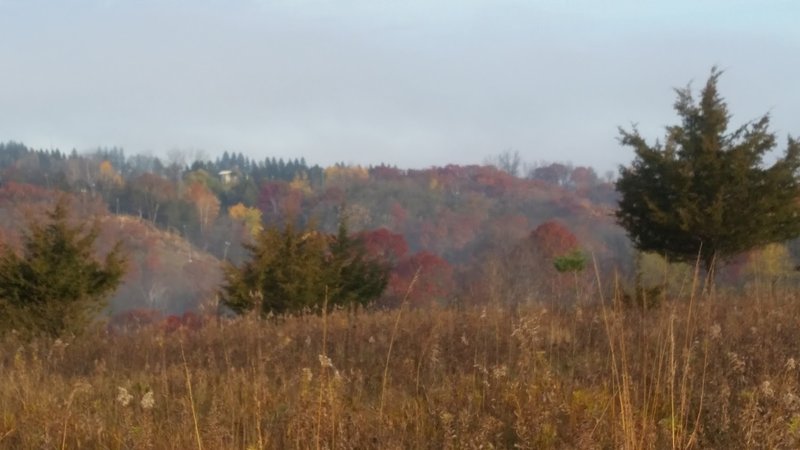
407 82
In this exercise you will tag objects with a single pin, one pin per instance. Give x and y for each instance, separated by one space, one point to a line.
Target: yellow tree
250 217
342 175
770 263
109 174
108 179
301 183
206 202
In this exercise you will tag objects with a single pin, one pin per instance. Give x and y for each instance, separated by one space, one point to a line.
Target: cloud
408 83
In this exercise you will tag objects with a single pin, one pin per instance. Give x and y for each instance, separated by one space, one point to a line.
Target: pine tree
706 192
355 278
56 286
282 275
295 270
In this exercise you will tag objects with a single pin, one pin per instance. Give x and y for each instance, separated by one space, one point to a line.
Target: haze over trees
503 327
469 229
180 221
705 192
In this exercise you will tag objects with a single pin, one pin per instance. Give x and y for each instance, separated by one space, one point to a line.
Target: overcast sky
412 83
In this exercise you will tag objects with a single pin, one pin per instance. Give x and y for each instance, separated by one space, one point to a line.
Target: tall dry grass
700 371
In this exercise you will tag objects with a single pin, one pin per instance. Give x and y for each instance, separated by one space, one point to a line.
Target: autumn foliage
553 239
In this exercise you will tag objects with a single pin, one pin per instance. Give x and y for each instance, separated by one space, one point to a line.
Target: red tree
277 201
434 280
553 239
384 244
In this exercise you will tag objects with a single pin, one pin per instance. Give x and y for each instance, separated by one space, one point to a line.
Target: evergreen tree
226 161
355 278
293 270
283 273
56 286
706 191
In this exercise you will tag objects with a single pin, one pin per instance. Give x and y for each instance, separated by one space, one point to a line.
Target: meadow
706 370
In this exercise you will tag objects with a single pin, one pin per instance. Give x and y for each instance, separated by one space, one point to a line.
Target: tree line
704 194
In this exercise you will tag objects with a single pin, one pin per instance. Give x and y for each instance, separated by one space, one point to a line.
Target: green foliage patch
295 269
705 191
56 286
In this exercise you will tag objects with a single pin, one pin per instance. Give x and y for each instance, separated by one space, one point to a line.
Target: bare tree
507 161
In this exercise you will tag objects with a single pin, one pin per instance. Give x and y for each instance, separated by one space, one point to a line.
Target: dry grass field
709 371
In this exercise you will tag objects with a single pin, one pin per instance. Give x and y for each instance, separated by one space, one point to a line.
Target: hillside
478 233
455 217
165 272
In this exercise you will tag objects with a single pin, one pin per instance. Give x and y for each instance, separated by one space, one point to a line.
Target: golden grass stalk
391 342
198 439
